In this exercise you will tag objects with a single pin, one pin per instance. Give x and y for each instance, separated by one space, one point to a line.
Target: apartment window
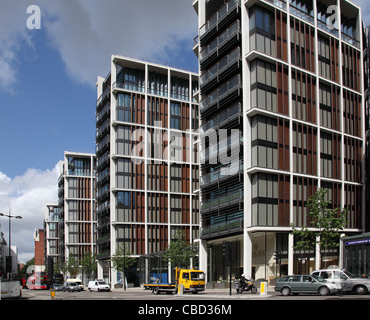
123 141
351 67
264 142
330 155
131 79
329 98
124 234
125 201
158 84
126 105
303 96
352 104
73 233
175 209
157 208
353 201
265 194
180 88
302 45
263 86
157 176
328 58
303 188
262 31
175 173
157 112
353 160
175 115
123 174
304 149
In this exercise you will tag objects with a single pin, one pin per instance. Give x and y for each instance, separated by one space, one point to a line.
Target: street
140 294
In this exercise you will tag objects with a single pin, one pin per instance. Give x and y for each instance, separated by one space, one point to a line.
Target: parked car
71 286
78 281
98 285
57 287
296 284
345 279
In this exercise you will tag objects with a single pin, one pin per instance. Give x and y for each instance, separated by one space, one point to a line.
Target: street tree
72 266
180 252
326 223
89 265
122 260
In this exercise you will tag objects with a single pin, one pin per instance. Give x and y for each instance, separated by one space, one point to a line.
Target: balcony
103 114
230 173
223 43
229 65
128 86
222 96
103 145
229 12
223 229
223 119
102 99
219 204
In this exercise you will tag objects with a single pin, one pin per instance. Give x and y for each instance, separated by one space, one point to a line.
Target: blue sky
47 86
48 93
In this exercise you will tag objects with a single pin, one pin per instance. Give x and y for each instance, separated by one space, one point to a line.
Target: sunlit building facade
289 76
147 162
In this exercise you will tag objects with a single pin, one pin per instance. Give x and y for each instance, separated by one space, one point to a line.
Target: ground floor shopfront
261 255
356 254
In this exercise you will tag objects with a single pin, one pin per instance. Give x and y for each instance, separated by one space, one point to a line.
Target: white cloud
27 196
86 33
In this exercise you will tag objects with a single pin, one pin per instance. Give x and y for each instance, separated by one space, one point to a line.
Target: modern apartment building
147 161
76 206
288 76
51 223
367 118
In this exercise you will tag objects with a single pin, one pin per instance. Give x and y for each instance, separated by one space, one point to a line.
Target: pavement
214 293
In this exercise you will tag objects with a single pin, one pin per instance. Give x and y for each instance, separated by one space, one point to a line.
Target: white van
78 281
98 285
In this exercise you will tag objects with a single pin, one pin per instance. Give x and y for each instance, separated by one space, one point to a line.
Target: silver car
345 279
296 284
71 286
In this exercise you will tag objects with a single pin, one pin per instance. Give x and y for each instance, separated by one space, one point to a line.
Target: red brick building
39 237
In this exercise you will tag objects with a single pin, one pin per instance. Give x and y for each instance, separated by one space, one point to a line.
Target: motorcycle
245 285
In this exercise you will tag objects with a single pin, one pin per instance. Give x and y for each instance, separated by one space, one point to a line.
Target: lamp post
10 255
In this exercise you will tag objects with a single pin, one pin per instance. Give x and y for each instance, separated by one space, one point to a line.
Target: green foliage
179 252
72 267
326 222
89 265
122 259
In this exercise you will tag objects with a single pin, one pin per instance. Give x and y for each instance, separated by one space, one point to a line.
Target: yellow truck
190 279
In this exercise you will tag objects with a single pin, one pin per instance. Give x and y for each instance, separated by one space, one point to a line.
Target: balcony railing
222 173
220 41
351 40
218 17
223 118
219 94
223 201
129 86
222 229
101 100
221 66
